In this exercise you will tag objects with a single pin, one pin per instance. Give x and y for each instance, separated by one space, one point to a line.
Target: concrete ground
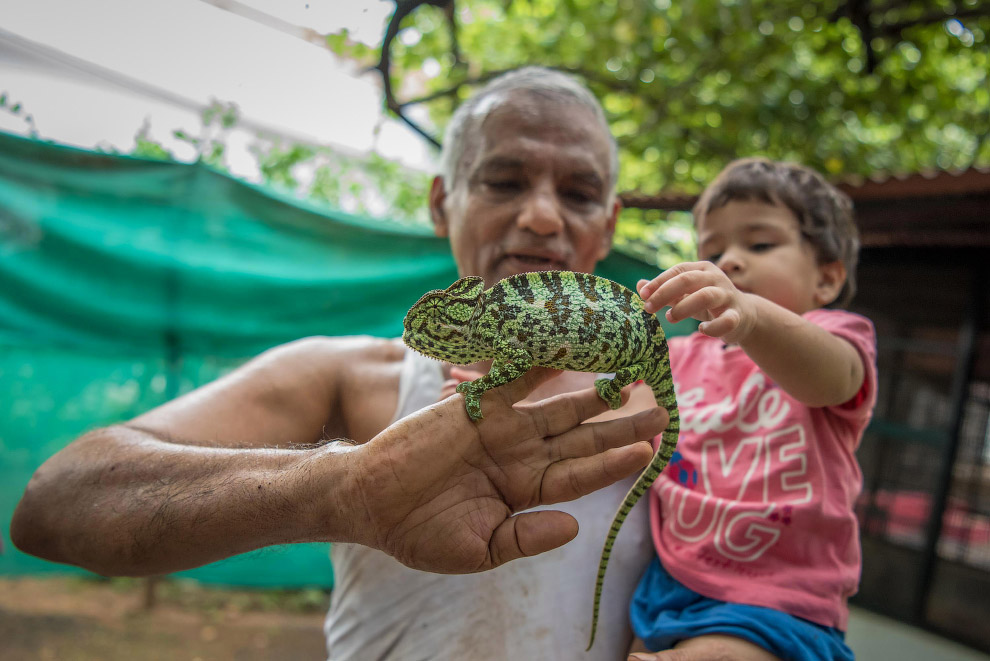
72 619
877 638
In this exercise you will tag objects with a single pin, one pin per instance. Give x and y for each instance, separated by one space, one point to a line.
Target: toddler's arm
812 365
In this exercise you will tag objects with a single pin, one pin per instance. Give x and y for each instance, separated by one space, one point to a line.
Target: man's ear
438 195
831 278
613 218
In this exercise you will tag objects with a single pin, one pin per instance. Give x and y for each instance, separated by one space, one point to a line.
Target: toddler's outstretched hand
702 291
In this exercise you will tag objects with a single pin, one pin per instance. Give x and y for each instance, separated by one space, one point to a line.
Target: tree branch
862 12
936 17
403 8
455 88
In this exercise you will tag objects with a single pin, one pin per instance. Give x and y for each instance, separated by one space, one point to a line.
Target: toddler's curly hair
824 213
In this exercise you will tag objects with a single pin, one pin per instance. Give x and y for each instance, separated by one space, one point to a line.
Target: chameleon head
439 323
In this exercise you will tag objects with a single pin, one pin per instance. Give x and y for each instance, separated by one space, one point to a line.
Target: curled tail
663 392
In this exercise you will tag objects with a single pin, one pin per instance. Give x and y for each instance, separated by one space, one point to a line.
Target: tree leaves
689 86
849 87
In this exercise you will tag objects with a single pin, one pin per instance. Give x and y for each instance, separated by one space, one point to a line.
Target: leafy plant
16 108
363 184
845 86
849 87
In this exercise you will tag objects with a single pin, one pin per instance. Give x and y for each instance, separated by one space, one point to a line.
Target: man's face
533 194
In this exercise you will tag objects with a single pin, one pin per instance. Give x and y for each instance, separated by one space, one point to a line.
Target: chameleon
560 319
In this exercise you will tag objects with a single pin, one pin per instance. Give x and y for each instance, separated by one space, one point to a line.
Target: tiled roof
882 186
932 208
930 183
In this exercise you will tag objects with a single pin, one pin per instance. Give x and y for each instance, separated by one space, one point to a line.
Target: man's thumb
531 533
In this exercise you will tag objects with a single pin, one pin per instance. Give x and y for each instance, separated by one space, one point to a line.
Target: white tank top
532 608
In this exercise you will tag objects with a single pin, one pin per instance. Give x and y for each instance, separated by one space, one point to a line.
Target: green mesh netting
125 282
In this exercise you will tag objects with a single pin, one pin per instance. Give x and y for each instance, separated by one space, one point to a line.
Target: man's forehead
572 163
515 133
564 120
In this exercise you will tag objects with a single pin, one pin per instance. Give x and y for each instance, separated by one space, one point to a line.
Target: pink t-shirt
756 505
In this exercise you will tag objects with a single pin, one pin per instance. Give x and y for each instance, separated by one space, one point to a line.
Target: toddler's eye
714 258
761 247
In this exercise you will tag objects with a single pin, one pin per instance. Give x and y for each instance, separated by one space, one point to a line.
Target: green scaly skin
560 319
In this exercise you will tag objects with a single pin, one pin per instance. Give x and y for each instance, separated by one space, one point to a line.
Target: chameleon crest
560 319
439 324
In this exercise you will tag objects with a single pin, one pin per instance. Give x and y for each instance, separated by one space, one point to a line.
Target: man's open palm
446 502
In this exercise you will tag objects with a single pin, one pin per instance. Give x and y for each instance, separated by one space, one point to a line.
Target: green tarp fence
125 282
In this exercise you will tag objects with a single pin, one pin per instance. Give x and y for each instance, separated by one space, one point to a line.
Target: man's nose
540 213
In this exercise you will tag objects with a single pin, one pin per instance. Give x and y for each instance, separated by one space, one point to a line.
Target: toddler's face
760 247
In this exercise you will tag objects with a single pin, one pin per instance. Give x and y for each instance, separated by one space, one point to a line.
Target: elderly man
527 183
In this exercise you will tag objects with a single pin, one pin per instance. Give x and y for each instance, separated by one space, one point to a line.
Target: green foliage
688 87
657 237
217 120
278 161
370 185
16 109
146 147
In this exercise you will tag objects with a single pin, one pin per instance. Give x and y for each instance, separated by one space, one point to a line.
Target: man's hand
440 492
704 292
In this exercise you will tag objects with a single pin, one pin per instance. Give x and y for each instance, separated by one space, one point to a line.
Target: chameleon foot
472 399
608 391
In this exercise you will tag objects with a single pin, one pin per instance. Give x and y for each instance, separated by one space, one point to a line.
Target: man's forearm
121 501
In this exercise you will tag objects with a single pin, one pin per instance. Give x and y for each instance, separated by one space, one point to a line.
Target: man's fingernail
642 657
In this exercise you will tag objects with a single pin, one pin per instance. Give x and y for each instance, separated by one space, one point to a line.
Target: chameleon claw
605 390
472 400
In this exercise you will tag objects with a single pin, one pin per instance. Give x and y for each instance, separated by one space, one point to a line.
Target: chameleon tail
663 392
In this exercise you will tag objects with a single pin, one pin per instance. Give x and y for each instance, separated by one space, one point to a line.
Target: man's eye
503 185
579 196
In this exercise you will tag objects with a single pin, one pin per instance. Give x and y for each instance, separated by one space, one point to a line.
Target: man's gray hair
462 132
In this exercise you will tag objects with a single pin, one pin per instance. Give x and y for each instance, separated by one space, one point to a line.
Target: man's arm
171 490
211 474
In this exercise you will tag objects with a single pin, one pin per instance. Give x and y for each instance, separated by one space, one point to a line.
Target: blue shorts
664 612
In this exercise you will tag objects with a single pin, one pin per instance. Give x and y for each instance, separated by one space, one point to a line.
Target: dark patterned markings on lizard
560 319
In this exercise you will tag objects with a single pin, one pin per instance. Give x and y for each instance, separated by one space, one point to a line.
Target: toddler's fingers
721 325
699 305
681 285
646 288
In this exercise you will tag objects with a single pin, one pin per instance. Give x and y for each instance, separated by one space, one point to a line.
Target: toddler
757 543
